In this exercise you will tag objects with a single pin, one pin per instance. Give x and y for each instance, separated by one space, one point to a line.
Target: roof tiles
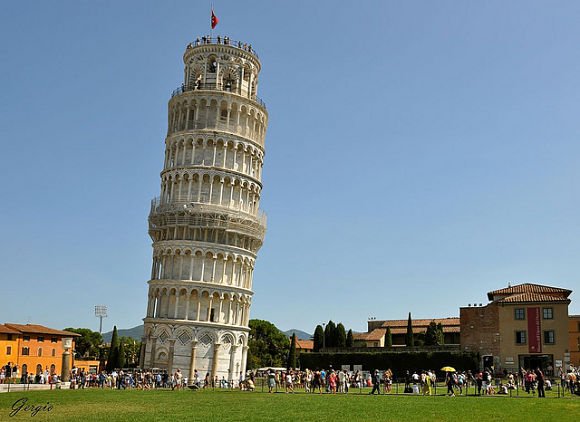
528 288
39 329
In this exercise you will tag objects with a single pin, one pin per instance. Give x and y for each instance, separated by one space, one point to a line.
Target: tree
340 335
121 355
292 353
131 351
87 345
113 358
318 338
388 338
431 334
409 340
440 335
330 334
268 346
349 339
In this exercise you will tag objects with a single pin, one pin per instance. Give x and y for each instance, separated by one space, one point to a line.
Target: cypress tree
340 335
329 332
388 338
121 355
332 339
409 340
112 358
349 339
318 338
292 353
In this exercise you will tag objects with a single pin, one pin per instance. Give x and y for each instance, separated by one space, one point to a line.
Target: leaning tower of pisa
206 225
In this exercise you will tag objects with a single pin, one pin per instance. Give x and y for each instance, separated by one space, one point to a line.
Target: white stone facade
206 225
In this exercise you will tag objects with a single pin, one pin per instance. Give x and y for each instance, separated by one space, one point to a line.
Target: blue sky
418 155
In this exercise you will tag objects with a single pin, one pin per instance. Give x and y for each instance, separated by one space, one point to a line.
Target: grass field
223 405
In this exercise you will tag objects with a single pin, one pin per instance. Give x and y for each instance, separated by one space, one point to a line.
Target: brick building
525 325
574 339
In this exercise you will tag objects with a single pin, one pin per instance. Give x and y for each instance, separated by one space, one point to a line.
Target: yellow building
523 326
32 348
9 340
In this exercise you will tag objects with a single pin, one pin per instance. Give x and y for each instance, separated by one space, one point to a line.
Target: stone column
188 298
189 188
219 315
210 189
170 357
244 358
221 190
66 359
192 362
176 305
214 362
232 373
152 353
142 352
208 318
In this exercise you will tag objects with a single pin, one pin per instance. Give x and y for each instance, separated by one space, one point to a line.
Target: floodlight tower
101 312
206 225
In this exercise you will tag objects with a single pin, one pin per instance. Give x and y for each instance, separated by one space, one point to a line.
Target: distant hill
137 332
300 335
134 333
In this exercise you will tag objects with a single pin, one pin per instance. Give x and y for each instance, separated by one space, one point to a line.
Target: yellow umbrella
448 369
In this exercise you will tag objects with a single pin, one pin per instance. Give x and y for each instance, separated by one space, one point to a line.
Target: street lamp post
100 312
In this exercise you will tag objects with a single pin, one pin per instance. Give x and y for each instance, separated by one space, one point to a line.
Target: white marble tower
206 225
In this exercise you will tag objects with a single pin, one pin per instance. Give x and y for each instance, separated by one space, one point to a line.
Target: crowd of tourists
326 381
331 381
425 382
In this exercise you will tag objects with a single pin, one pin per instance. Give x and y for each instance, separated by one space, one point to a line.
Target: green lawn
223 405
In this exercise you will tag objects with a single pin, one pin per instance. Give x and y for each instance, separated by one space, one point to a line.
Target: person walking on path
540 381
376 379
450 381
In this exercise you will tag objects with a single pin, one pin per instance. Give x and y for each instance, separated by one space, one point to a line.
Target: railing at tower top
157 205
223 41
201 86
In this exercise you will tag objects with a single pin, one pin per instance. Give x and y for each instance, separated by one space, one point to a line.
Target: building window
26 338
520 337
9 336
54 340
549 337
25 351
40 339
8 350
548 313
520 313
40 351
53 352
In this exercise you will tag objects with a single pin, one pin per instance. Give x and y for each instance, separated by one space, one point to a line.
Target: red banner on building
534 331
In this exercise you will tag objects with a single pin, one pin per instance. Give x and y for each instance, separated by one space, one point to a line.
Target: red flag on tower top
214 20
